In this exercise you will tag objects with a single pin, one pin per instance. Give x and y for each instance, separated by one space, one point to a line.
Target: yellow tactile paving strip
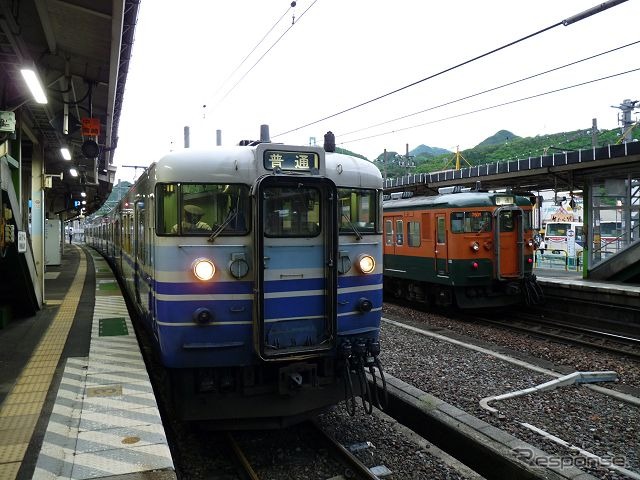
21 409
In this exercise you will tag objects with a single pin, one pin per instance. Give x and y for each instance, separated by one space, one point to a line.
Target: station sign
7 122
90 127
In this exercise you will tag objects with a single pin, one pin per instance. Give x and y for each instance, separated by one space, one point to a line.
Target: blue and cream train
258 271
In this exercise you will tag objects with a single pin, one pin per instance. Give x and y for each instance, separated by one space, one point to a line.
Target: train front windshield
358 210
292 212
202 209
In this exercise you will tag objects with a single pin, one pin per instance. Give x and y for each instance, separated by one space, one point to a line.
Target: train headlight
530 243
475 246
366 263
204 269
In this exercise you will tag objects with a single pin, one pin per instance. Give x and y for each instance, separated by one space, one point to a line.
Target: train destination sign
285 160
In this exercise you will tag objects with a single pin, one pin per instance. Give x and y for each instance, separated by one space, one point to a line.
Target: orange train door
441 252
510 242
393 234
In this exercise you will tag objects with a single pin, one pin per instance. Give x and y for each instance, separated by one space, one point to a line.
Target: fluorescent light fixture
66 154
34 85
73 172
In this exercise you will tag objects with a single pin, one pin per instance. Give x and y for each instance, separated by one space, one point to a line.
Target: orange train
462 247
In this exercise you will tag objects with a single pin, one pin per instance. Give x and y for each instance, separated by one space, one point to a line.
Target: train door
138 249
510 242
297 240
120 242
394 235
441 252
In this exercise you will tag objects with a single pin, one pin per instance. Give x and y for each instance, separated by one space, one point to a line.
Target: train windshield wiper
232 214
353 227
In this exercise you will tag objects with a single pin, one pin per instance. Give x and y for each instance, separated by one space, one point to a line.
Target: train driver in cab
191 220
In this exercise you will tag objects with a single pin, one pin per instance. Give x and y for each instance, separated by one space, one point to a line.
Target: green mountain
503 136
500 147
426 151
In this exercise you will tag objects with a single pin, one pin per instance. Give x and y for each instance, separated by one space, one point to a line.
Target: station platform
571 279
75 397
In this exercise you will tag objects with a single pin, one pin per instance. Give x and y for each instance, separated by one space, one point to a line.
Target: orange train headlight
204 269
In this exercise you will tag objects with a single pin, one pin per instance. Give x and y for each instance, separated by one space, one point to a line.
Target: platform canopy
79 51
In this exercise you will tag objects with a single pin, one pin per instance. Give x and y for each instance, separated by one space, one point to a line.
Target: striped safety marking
106 421
21 409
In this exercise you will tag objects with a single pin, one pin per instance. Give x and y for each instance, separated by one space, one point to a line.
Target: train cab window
470 222
359 209
413 234
291 212
202 209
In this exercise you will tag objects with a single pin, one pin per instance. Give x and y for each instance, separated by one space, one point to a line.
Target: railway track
352 467
563 331
607 327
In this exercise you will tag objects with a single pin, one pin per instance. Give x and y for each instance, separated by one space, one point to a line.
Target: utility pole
384 165
626 107
408 160
594 132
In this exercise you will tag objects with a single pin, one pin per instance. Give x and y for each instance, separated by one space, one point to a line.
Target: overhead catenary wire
292 5
492 106
477 94
566 22
265 53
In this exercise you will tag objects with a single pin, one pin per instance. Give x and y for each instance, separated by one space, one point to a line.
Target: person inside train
191 220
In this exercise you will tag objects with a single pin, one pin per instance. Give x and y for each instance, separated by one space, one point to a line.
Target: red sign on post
90 127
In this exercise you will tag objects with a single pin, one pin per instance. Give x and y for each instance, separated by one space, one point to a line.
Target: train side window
399 232
441 230
413 234
140 242
528 220
427 231
388 232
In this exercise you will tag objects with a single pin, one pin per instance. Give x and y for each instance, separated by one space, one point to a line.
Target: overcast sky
342 53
